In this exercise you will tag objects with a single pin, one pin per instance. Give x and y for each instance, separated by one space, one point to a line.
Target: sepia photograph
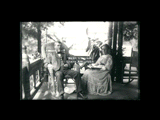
79 60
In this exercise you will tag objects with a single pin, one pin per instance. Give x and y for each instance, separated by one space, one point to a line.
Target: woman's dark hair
107 49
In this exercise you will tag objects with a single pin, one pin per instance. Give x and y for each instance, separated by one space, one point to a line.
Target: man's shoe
81 96
60 97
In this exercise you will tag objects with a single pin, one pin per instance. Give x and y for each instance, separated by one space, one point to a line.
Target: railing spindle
34 78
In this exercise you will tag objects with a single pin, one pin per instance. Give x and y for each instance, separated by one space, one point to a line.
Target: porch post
25 73
138 59
114 51
20 60
119 72
39 36
110 34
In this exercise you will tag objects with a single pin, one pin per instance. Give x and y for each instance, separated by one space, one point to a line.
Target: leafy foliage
29 29
130 30
31 34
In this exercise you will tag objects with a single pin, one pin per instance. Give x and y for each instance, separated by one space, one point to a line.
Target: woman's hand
46 65
93 64
103 68
89 66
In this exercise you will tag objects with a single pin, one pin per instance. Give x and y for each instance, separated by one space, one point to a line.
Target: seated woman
98 81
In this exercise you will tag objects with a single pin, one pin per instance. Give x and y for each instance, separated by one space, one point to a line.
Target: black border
100 102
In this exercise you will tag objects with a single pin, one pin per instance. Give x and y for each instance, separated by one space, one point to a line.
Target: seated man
58 62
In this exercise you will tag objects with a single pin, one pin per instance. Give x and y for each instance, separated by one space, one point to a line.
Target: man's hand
66 65
50 66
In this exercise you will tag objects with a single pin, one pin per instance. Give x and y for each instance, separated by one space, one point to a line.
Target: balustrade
32 75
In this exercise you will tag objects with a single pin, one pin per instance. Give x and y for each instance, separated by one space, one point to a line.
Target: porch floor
120 92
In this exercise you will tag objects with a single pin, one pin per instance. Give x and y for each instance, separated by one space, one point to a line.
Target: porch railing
32 77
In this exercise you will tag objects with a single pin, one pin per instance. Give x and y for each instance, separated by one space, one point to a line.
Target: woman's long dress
98 82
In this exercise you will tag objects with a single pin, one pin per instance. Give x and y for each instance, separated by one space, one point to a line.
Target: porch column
25 72
114 50
138 59
39 36
20 60
119 72
110 34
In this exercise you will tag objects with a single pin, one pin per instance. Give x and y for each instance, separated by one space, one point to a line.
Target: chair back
134 58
